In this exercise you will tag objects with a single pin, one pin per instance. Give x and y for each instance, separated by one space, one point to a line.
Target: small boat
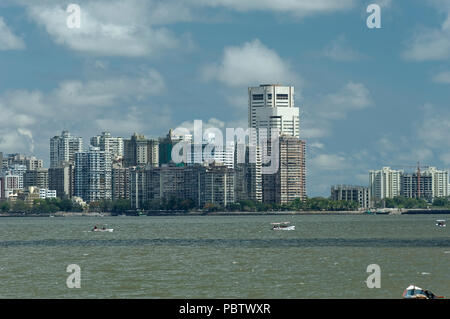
103 229
414 292
110 230
440 223
282 226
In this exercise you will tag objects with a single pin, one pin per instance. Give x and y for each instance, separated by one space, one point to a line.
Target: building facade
107 143
62 179
63 149
140 151
358 194
93 175
384 183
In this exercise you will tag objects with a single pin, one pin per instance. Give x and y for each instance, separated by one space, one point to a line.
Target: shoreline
271 213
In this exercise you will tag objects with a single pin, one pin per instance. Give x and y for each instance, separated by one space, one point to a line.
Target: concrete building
30 162
248 176
358 194
9 184
63 149
93 175
18 170
200 183
37 178
289 182
384 183
140 151
271 107
107 143
431 184
62 179
121 182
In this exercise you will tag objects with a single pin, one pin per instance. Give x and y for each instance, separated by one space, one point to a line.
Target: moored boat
282 226
414 292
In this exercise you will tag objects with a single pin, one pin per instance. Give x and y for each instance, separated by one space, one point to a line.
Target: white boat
440 223
282 226
414 292
103 229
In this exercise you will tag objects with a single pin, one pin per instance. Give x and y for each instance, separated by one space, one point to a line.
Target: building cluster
142 169
427 184
23 178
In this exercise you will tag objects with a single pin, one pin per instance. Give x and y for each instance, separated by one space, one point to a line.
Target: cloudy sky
368 97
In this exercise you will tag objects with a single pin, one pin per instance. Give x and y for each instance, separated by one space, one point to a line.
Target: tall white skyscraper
385 183
107 143
271 107
63 149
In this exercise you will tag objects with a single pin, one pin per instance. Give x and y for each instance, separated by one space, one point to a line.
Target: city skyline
367 98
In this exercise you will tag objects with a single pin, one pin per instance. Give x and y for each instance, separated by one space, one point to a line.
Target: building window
258 97
282 96
269 96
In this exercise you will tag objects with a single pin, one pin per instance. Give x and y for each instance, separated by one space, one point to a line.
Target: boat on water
282 226
441 223
103 229
414 292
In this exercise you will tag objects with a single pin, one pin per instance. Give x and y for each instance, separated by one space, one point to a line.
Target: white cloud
29 118
108 28
9 41
298 8
250 64
340 50
319 112
430 44
443 77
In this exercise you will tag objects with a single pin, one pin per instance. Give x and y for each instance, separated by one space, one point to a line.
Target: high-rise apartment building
107 143
63 149
62 179
93 175
248 178
431 183
201 184
140 151
272 111
384 183
289 182
30 162
37 178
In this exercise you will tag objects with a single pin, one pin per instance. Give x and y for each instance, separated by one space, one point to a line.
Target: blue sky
368 97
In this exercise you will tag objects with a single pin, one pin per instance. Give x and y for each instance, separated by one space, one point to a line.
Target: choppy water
223 257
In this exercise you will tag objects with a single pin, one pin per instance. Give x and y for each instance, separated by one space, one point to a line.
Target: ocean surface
223 256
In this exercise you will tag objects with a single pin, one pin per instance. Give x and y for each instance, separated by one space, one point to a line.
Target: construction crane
418 167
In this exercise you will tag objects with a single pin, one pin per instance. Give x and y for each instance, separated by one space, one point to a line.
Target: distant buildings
358 194
113 145
63 149
385 183
140 169
388 183
93 174
201 184
271 108
62 179
140 151
289 182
